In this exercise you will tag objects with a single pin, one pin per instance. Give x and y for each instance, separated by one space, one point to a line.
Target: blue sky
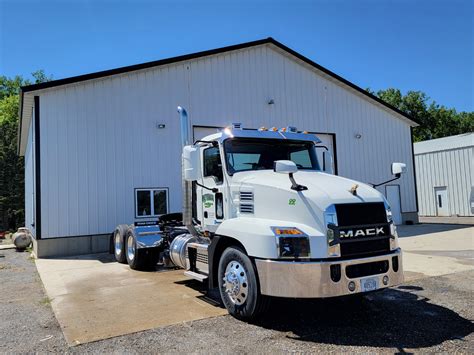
410 45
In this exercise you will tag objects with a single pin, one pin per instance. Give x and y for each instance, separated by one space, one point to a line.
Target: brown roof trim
181 58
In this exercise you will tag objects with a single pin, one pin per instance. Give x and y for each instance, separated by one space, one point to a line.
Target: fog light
385 280
335 272
395 263
351 286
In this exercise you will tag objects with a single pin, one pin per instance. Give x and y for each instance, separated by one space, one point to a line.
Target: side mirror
327 162
398 169
288 167
284 167
191 164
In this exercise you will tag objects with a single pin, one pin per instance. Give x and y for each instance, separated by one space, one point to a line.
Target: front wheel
238 285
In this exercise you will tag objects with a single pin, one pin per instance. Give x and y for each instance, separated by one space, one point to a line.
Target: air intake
246 202
246 196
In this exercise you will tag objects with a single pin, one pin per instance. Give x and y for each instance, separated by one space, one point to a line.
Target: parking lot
431 311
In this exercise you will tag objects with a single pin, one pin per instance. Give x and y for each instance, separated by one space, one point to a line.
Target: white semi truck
263 217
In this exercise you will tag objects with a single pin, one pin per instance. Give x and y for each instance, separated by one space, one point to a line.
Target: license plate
369 284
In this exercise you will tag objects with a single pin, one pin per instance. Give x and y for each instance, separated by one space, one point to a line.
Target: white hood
272 194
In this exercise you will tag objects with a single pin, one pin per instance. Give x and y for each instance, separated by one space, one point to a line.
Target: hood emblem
353 189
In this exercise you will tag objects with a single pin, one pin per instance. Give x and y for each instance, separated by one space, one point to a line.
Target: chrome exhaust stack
186 139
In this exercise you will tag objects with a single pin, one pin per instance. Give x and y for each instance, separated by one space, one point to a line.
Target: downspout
186 185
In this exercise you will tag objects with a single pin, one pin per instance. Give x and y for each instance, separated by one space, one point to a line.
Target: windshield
245 154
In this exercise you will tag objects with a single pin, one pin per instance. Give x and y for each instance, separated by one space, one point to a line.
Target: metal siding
100 141
450 168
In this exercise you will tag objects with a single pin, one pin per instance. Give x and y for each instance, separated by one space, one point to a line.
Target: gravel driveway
431 314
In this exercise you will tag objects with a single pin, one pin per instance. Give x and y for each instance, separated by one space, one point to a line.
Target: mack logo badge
362 232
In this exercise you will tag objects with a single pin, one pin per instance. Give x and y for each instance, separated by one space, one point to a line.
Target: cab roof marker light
274 129
283 129
228 131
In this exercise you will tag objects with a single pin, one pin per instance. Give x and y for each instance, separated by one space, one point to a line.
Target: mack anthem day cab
263 217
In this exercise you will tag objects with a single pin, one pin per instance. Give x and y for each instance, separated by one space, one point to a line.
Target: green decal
292 201
208 200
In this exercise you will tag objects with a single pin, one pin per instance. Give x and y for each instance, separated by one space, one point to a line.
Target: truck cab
306 233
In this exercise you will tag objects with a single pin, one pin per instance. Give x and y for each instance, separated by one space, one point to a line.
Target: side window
212 164
302 159
151 202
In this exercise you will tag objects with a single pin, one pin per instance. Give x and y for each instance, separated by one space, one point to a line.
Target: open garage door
327 140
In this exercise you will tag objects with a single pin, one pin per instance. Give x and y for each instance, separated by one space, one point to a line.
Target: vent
202 258
246 196
246 202
246 208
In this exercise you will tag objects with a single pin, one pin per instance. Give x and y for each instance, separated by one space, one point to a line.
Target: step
196 275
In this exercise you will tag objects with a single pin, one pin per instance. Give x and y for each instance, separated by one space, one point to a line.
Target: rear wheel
120 234
139 259
238 285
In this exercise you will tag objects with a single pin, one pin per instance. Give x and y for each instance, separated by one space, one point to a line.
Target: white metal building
445 176
103 148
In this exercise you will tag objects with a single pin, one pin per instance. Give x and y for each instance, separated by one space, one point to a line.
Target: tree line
435 120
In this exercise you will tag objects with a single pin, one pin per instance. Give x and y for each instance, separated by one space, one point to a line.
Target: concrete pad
434 250
94 298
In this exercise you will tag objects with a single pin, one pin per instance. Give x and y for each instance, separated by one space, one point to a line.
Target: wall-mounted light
358 136
160 125
271 102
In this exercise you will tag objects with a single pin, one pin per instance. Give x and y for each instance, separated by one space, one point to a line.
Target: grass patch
4 266
46 301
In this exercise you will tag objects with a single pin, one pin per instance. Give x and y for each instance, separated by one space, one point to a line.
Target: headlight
393 229
330 217
291 242
388 211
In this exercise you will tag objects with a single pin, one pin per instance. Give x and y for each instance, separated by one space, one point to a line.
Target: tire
238 285
139 259
118 242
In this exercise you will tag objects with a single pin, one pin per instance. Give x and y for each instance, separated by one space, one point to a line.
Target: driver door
213 177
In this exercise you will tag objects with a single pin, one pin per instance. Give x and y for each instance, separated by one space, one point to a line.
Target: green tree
436 121
12 213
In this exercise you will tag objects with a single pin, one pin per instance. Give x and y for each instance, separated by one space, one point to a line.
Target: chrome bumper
313 279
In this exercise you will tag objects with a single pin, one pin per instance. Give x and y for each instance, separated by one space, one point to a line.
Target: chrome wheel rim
130 249
118 244
235 282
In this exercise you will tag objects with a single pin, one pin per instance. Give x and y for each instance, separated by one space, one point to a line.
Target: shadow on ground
393 318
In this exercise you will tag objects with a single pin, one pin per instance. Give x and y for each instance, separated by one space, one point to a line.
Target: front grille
365 247
367 269
353 214
360 214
